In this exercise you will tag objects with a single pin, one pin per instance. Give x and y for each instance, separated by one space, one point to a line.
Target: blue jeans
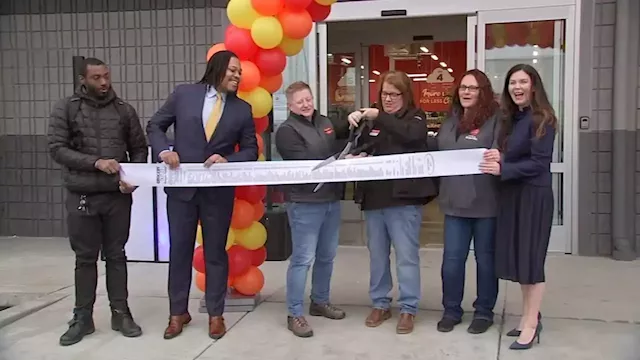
315 229
458 232
399 226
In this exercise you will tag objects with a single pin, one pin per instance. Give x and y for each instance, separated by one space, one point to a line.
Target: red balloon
260 144
297 5
239 260
251 194
250 283
242 216
261 124
198 259
318 12
271 62
240 42
295 24
259 256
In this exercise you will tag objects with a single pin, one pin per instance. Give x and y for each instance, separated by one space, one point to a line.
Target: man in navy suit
209 121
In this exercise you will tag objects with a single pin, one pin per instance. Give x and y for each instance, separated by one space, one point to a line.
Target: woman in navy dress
525 204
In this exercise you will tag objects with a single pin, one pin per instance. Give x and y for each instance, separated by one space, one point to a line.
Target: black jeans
99 222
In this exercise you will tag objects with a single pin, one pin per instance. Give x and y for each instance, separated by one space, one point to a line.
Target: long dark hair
543 113
485 107
217 68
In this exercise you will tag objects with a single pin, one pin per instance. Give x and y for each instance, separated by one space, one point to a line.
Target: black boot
122 321
80 326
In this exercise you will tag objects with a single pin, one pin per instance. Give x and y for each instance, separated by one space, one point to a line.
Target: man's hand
490 167
214 159
109 166
170 158
125 188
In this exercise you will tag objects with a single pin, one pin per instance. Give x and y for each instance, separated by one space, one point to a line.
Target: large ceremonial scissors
354 135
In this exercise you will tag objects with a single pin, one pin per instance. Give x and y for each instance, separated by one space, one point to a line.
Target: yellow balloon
252 238
291 47
199 235
266 32
326 2
231 239
260 101
241 13
261 157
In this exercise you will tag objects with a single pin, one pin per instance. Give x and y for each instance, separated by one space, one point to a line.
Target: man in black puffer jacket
90 134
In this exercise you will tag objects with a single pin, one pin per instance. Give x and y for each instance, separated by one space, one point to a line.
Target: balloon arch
262 34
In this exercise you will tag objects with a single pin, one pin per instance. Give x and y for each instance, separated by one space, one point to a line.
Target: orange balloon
260 144
250 76
295 24
201 282
271 83
242 216
214 49
249 283
258 211
267 7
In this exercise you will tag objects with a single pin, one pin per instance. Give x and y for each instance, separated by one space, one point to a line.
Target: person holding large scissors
313 210
393 208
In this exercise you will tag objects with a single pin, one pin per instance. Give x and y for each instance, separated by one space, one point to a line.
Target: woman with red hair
469 204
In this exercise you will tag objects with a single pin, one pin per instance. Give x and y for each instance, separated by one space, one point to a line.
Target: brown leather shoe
217 329
176 323
405 324
377 317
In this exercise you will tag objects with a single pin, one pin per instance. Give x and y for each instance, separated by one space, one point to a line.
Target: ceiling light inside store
416 75
443 64
535 61
434 57
450 70
371 81
535 53
346 61
424 49
420 79
362 67
376 72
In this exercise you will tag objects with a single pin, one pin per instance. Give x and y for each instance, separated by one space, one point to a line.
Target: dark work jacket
389 134
527 159
469 196
299 138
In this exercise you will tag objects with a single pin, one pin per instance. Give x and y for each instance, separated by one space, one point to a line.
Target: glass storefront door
543 38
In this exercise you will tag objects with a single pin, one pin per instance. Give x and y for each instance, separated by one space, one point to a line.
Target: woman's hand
354 118
361 155
490 167
370 113
491 155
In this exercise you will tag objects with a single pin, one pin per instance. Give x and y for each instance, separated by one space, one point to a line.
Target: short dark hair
90 62
295 87
217 68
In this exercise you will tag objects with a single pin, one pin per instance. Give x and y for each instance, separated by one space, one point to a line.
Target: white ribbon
403 166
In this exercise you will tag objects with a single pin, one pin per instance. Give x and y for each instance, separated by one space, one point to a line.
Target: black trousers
214 213
95 222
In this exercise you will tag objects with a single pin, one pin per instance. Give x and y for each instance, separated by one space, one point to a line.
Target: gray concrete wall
149 48
595 175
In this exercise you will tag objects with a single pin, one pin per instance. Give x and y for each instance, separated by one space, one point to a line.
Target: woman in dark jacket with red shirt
525 203
393 208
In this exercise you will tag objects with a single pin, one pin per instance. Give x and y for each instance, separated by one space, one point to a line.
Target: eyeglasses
392 96
471 88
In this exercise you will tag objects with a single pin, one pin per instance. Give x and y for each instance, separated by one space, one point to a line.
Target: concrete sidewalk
591 311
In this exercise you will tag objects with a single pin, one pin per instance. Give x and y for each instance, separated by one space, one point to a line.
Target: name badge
472 135
374 132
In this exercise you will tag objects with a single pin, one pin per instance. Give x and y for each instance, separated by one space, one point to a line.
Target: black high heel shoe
518 346
516 332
